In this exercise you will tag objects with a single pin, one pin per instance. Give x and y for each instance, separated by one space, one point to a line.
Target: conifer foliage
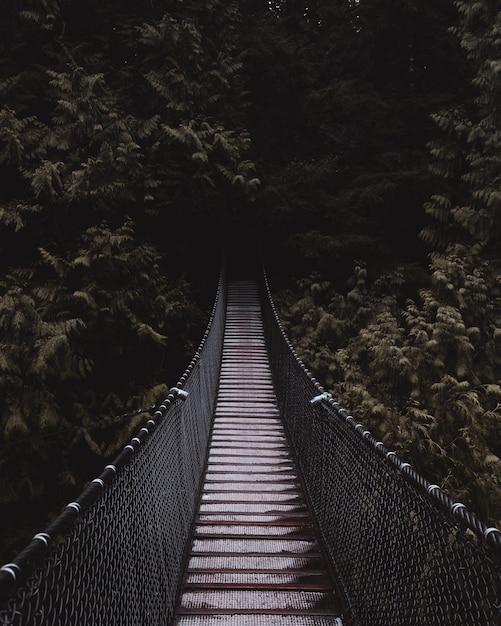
119 122
423 373
341 104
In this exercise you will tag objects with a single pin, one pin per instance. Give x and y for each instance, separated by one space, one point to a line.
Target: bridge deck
254 557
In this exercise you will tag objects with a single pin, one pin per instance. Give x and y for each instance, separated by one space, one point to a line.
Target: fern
20 138
44 13
46 179
49 417
58 264
14 426
18 214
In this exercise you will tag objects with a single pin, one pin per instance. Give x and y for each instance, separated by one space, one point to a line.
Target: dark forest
353 145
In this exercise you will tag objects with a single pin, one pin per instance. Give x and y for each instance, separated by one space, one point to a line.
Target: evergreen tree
121 128
423 374
341 118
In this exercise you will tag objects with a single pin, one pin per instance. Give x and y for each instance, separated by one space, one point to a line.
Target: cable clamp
12 569
43 537
178 393
319 399
491 530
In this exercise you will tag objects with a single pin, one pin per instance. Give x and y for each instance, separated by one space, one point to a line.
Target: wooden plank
254 556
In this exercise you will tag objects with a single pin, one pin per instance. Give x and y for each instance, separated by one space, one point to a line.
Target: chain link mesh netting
403 553
115 555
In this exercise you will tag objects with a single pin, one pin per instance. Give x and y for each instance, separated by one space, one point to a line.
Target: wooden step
255 559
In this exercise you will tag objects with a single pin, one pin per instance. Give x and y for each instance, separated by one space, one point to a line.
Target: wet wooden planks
254 559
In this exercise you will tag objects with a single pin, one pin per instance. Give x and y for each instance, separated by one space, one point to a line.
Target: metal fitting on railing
178 393
320 398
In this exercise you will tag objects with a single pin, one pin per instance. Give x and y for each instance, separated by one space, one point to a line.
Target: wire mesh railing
115 555
402 552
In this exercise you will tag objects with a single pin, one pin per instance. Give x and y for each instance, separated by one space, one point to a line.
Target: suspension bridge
250 497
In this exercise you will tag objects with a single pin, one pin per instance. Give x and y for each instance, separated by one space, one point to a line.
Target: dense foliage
415 355
353 142
122 148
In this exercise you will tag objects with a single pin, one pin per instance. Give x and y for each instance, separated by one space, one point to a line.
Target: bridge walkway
254 557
